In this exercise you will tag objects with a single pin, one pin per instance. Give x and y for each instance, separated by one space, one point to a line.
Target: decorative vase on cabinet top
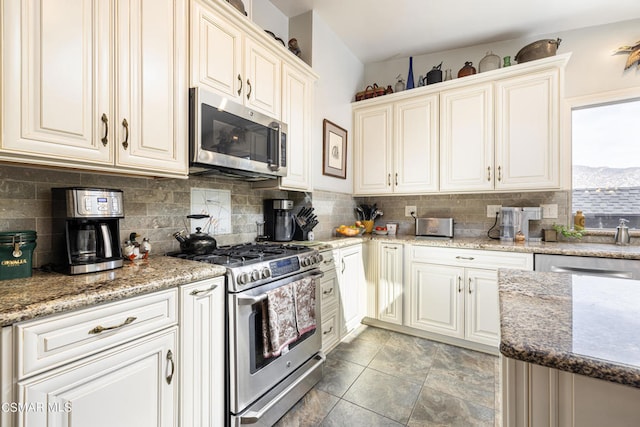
467 70
490 62
410 82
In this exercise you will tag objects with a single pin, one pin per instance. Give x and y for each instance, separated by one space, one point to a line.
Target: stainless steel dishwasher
591 266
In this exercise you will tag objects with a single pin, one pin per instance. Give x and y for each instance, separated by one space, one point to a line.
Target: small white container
392 228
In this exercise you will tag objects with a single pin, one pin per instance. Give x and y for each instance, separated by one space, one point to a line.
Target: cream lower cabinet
330 300
134 385
390 283
202 353
96 85
454 292
352 283
396 147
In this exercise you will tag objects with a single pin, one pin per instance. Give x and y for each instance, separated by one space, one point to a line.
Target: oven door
252 375
230 136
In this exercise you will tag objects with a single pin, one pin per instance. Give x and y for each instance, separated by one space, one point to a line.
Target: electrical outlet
549 211
409 209
492 210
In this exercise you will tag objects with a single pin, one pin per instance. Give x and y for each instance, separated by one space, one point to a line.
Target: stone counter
47 293
585 325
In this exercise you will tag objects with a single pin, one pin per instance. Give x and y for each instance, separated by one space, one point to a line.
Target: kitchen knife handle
125 143
105 138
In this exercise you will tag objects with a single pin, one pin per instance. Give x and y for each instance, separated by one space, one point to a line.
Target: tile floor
382 378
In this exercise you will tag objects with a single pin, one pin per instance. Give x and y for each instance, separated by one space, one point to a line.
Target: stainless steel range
264 383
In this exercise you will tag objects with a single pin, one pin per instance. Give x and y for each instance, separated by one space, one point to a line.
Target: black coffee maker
279 221
86 223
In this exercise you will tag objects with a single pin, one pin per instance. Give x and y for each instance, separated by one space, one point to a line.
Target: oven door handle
250 300
252 417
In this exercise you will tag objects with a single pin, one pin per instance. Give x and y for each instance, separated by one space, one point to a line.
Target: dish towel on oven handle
289 311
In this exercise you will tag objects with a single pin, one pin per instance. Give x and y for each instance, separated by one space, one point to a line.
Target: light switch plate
409 209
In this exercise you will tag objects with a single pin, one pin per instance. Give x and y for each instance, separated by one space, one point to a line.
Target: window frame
580 102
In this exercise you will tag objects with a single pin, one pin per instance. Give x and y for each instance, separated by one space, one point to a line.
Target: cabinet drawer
330 328
53 341
329 289
329 260
472 258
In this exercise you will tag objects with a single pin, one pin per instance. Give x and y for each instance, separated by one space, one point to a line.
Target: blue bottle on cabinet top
410 84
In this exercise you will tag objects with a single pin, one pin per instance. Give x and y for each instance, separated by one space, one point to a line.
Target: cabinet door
390 286
262 81
56 82
352 288
297 108
527 132
416 161
151 111
372 153
482 308
216 53
202 361
436 299
132 385
466 135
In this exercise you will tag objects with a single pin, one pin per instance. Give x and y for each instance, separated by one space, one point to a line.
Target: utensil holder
368 225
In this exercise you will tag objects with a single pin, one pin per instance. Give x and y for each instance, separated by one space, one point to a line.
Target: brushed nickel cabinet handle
98 329
249 93
396 179
469 285
172 365
468 258
125 143
488 173
203 291
328 331
105 138
343 266
330 291
389 180
459 284
499 173
240 88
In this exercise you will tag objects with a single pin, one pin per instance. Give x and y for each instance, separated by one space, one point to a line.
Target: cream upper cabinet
527 125
466 139
96 85
228 61
297 112
396 147
372 151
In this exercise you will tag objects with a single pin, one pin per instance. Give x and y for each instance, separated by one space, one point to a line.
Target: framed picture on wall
334 159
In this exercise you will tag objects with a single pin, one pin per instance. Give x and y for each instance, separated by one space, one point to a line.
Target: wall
591 69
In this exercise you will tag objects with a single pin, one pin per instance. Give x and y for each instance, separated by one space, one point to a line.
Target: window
605 146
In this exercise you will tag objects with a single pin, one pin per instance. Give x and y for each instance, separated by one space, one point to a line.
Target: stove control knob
244 278
255 275
320 258
316 259
305 262
266 273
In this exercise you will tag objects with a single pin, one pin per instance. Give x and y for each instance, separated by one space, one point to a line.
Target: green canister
16 252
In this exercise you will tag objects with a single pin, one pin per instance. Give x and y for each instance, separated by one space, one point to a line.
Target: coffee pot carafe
622 236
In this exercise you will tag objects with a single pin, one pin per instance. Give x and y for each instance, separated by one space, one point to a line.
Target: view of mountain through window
606 164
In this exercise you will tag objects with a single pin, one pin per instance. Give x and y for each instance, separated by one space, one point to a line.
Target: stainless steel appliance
86 223
279 220
516 219
434 227
231 140
590 266
262 389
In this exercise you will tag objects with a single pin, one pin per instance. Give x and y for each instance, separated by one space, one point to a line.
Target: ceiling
379 30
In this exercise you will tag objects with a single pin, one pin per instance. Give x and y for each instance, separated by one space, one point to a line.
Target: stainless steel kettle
622 236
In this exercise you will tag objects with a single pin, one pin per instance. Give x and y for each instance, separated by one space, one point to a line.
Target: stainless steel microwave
229 139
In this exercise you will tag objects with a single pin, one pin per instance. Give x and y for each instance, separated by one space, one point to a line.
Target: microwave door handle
275 165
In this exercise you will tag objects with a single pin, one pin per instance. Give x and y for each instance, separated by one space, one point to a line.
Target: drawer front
53 341
329 260
330 328
329 289
472 258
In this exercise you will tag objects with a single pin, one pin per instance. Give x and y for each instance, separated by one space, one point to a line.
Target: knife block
300 234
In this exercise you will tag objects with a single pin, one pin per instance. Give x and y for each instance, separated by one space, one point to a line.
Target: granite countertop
586 325
603 250
47 293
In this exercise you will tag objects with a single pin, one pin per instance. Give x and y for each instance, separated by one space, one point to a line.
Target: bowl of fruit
350 230
380 230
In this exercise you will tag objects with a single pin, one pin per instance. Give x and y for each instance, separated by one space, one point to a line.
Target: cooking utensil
197 243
